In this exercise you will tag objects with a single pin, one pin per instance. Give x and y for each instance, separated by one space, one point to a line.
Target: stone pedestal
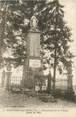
32 62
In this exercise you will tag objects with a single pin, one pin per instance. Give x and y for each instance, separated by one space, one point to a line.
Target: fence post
8 76
49 83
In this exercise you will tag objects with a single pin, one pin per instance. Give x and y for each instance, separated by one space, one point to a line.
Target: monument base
32 78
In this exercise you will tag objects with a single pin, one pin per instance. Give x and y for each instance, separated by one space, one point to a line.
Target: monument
32 62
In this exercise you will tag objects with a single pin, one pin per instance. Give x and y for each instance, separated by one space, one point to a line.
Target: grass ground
8 99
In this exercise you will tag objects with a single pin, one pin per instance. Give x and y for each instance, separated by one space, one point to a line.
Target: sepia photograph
37 55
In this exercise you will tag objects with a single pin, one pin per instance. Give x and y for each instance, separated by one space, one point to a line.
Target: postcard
37 58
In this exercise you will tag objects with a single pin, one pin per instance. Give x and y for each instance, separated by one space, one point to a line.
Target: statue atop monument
34 23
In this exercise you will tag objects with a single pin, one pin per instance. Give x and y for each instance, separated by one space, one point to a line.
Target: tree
18 24
56 37
2 30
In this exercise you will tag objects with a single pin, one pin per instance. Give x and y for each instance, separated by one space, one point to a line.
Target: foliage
55 34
